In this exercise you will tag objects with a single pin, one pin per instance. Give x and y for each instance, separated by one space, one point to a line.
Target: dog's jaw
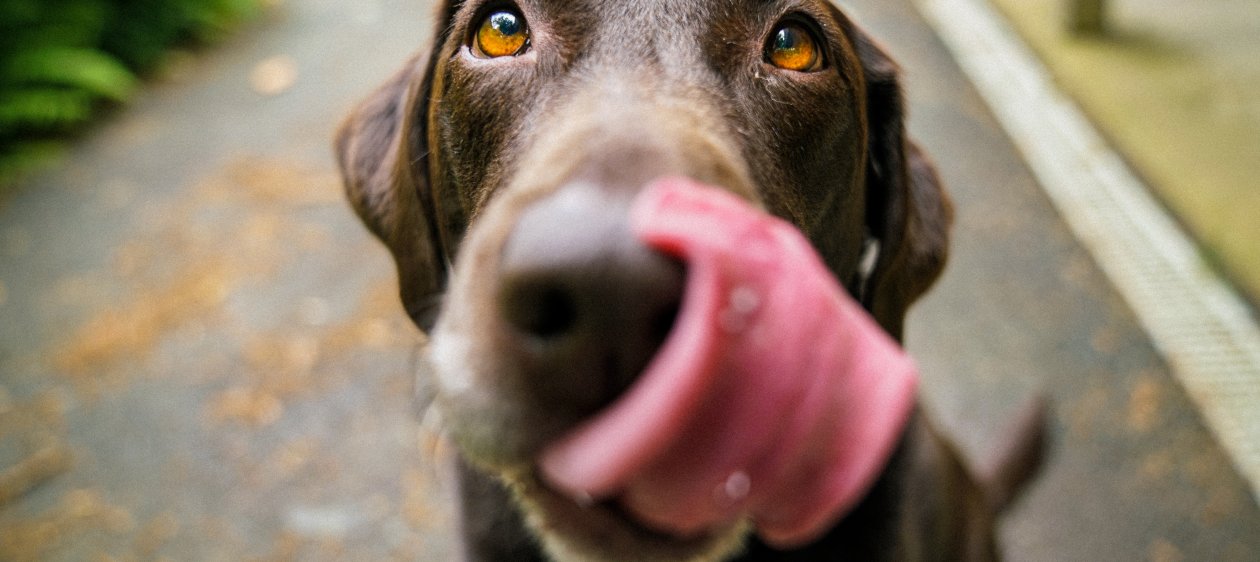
570 531
567 530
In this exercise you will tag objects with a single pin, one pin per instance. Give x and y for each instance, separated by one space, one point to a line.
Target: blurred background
202 355
1176 87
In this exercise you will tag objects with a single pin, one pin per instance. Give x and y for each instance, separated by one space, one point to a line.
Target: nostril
541 309
662 323
583 305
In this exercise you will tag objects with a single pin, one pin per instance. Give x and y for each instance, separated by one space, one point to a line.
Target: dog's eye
792 47
503 33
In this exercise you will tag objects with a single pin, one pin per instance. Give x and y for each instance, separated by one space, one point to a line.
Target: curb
1201 327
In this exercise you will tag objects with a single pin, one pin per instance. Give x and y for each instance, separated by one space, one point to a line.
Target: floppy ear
382 149
908 212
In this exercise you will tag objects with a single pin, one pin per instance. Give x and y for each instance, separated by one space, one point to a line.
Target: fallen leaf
274 76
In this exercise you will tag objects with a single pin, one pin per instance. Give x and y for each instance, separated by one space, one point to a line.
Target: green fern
217 18
62 60
88 70
36 110
20 159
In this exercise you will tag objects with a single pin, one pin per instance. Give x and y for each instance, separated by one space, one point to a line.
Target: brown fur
443 160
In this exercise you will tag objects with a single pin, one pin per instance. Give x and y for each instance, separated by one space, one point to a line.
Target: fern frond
86 69
17 159
43 109
211 20
28 24
60 58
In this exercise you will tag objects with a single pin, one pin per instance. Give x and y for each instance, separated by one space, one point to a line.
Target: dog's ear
382 149
908 212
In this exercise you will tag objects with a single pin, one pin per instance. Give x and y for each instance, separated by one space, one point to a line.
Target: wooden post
1087 17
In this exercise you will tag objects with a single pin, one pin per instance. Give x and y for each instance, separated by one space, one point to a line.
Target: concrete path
202 357
1133 473
196 318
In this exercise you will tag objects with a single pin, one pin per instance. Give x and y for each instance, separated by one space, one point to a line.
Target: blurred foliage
62 61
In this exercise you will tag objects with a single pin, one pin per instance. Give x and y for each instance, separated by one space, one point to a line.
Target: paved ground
201 356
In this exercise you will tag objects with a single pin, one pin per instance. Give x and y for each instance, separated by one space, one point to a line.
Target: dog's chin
603 532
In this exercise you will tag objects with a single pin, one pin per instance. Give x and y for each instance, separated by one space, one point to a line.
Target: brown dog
498 168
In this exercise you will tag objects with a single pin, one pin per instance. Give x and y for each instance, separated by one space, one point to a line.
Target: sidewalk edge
1198 323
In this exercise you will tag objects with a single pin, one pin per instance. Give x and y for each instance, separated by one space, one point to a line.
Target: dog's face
618 93
499 169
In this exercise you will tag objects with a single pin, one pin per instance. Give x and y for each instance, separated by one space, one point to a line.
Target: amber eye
793 47
501 34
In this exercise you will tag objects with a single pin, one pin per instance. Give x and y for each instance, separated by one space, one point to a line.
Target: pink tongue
776 396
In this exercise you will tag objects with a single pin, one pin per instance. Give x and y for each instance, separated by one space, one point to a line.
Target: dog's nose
586 304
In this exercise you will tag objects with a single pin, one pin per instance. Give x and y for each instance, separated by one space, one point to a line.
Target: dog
510 151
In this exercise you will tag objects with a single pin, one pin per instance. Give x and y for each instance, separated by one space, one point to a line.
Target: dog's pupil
787 40
505 23
792 48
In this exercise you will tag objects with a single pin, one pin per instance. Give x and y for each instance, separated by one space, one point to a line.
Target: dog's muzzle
587 305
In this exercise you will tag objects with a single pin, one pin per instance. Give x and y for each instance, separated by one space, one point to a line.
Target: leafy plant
61 61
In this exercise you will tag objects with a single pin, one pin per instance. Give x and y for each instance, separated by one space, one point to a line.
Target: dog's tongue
775 396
